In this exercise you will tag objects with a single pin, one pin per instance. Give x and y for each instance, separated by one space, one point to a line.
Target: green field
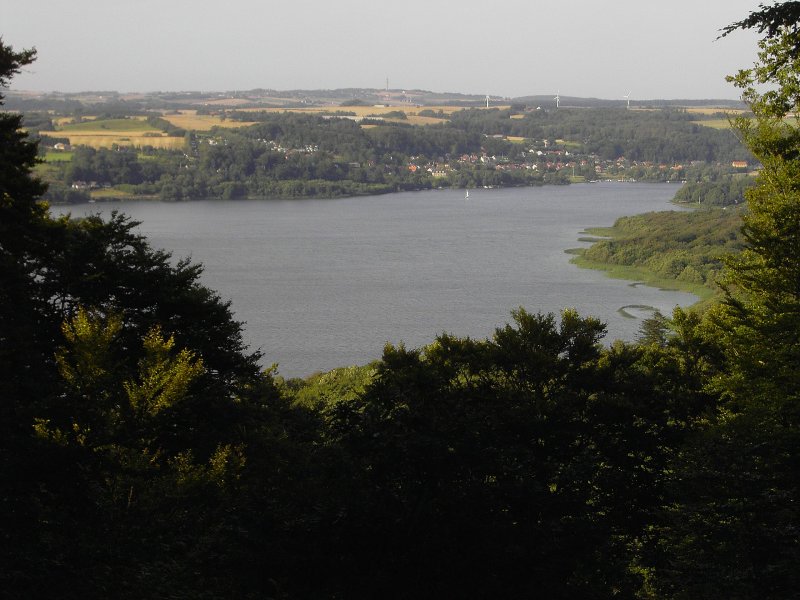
111 194
57 156
110 125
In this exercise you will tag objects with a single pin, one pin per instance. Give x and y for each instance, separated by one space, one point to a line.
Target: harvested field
715 123
190 120
107 139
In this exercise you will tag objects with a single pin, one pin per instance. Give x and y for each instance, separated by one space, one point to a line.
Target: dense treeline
347 138
724 191
660 136
144 454
688 247
120 166
665 136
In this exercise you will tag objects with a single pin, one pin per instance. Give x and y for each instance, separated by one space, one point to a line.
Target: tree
654 329
127 397
23 243
779 24
762 309
521 465
732 530
22 238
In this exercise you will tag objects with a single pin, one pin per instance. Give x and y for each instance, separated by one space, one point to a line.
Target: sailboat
466 196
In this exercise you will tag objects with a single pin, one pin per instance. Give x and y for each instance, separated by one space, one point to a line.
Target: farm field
108 139
712 110
412 112
105 133
134 124
57 156
138 133
191 121
715 123
111 194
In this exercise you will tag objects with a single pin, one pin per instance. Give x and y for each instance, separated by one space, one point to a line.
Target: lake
326 283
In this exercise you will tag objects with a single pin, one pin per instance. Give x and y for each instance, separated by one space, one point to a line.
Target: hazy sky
512 48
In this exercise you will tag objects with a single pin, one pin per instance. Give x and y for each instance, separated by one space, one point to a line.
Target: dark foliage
143 454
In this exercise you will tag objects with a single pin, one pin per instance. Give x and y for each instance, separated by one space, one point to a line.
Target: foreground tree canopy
144 454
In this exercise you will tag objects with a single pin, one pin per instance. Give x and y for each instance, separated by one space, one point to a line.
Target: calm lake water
326 283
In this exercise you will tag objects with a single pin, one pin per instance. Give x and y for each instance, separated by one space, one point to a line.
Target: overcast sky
582 48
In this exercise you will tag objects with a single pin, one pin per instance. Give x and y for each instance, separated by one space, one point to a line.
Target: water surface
326 283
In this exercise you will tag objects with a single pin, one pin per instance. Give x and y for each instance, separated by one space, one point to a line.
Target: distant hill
578 102
260 98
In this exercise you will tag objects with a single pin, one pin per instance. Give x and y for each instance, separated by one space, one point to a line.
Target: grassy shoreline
671 250
641 275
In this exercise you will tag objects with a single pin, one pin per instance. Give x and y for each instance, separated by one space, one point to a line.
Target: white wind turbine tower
557 98
628 100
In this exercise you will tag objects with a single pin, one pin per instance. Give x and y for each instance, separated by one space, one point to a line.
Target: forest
669 248
144 453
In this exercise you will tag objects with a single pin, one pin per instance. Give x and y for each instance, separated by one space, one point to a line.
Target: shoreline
126 196
641 276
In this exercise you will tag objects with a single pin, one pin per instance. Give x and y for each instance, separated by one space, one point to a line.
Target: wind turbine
628 100
557 99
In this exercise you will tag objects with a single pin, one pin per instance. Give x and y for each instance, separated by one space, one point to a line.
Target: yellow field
710 110
190 120
106 139
135 133
228 102
715 123
417 120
